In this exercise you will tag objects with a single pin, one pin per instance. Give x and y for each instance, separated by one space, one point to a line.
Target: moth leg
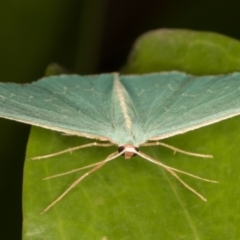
73 149
176 149
186 185
145 156
99 165
72 171
172 172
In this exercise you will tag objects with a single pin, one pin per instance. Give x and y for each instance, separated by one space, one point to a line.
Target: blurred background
84 36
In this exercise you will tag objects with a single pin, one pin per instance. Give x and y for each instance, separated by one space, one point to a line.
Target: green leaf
55 69
193 52
134 199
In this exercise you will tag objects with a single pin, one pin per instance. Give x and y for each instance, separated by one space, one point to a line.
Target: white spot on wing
170 87
48 100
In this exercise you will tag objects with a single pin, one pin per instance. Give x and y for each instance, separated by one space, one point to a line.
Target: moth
129 111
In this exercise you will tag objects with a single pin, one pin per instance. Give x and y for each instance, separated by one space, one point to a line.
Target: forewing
68 103
172 103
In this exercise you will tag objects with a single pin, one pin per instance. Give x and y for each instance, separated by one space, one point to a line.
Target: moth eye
120 149
137 149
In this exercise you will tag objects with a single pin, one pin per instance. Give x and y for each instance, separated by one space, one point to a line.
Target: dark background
85 36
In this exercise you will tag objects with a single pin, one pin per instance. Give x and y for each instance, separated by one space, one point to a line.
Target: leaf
134 199
193 52
55 69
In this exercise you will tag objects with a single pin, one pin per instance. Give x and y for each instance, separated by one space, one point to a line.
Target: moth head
128 151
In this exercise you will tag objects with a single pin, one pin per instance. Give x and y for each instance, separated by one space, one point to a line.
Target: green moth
127 111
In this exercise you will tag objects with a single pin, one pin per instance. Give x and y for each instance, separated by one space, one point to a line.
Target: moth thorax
129 151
